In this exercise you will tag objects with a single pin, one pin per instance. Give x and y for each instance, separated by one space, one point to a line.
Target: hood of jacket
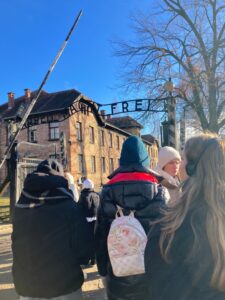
45 184
40 182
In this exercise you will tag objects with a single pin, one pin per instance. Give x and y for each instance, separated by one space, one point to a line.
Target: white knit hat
166 154
88 184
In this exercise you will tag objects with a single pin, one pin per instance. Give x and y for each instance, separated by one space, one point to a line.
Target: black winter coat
89 201
132 189
187 275
50 239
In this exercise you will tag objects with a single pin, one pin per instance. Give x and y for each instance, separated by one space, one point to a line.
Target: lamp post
171 114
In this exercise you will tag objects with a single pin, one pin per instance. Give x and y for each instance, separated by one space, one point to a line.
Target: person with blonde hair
185 253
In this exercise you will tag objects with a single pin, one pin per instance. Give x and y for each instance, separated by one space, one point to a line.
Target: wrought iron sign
129 106
88 106
60 116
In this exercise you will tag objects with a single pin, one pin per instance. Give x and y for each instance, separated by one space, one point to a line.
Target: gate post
12 177
172 121
171 113
182 131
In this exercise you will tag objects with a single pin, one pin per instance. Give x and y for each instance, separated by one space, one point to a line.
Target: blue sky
32 32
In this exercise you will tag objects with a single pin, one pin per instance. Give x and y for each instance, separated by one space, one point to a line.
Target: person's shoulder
162 194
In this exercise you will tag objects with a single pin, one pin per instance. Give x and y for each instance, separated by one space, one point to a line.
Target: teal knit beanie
134 152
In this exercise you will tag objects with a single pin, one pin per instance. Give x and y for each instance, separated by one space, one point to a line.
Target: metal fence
27 157
24 167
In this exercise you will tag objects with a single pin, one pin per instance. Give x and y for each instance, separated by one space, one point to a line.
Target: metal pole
34 100
12 175
171 106
183 129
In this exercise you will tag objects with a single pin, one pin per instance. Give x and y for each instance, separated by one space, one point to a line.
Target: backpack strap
119 212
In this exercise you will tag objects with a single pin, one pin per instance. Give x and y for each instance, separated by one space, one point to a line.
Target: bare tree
185 40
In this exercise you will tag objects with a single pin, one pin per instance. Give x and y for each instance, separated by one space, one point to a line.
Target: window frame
102 138
117 142
103 165
93 164
91 135
81 163
30 130
110 140
54 130
111 165
79 131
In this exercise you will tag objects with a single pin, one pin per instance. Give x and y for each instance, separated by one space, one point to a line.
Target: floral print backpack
126 245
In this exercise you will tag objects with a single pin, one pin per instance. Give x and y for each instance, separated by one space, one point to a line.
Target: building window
92 134
32 134
111 165
54 130
110 140
118 162
117 142
79 131
103 167
102 138
81 163
93 164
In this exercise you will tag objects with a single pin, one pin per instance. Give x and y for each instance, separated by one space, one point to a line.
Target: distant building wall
93 151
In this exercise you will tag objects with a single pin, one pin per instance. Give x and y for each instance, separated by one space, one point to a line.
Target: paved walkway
92 288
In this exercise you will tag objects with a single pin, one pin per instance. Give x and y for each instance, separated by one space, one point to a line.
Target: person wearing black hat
50 238
134 187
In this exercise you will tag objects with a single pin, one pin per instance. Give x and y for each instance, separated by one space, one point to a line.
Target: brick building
93 142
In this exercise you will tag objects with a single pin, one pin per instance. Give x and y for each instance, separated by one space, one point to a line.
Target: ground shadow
7 291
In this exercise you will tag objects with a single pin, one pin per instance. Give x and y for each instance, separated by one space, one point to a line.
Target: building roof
150 138
47 102
124 122
61 101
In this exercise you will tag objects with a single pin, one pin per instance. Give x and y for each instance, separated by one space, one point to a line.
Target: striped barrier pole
172 121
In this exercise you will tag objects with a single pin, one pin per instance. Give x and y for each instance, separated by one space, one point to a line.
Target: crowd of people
180 205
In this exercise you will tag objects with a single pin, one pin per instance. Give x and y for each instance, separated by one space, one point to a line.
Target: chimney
27 94
102 112
11 101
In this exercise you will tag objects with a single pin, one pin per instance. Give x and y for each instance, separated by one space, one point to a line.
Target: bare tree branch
187 44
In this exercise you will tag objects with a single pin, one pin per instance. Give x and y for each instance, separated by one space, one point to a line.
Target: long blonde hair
206 153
